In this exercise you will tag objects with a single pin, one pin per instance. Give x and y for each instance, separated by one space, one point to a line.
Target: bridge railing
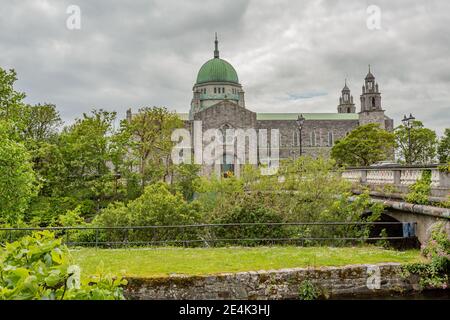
213 235
401 176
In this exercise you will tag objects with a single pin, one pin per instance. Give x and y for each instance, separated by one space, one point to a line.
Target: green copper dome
217 70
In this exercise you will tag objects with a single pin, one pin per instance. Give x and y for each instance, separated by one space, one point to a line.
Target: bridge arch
393 230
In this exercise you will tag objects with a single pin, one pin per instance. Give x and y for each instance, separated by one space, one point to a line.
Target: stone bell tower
346 104
371 111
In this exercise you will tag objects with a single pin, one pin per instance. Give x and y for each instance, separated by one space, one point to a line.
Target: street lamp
300 121
408 122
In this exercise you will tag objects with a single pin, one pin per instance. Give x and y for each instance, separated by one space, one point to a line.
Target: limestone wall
275 284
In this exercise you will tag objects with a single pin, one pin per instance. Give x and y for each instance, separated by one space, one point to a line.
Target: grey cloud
136 53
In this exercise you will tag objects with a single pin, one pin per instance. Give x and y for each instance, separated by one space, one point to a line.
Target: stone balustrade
399 176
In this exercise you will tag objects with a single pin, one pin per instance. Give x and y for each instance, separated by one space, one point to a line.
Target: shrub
436 272
39 267
72 218
157 206
304 190
218 195
420 190
250 210
45 211
308 291
185 177
438 247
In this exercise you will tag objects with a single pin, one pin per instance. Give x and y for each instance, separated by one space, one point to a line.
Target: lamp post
408 122
300 121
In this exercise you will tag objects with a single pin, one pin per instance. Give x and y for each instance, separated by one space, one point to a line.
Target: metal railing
211 235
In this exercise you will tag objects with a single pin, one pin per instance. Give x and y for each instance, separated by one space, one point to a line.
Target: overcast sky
291 56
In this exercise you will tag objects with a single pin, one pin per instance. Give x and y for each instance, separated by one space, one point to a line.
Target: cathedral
219 103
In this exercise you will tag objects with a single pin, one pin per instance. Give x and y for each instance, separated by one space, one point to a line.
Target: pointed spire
216 50
369 75
345 86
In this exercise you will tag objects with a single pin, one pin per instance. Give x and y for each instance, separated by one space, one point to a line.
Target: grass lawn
153 262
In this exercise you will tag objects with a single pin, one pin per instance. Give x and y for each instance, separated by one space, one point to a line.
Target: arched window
330 139
294 138
313 139
373 102
227 138
227 166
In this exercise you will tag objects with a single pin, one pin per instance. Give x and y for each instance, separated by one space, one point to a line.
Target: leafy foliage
436 272
443 150
155 207
307 291
421 189
41 122
185 178
148 137
17 179
84 147
39 267
250 210
72 218
307 190
11 101
423 143
364 146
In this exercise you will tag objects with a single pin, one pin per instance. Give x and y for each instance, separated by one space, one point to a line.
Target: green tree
184 179
149 137
444 147
364 146
40 134
84 151
17 179
422 148
41 122
11 101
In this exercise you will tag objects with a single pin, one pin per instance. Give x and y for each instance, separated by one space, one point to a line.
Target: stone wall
289 144
373 116
359 280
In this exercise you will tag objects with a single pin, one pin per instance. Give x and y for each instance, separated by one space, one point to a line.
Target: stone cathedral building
219 102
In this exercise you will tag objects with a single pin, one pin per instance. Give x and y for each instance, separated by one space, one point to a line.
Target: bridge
390 185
